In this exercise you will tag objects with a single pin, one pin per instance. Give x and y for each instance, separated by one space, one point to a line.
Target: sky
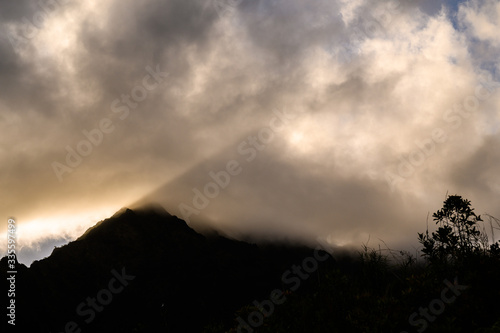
340 120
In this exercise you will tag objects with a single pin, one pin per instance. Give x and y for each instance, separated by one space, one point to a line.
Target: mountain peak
151 208
152 219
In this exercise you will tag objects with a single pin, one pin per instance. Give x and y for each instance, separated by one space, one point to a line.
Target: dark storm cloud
22 86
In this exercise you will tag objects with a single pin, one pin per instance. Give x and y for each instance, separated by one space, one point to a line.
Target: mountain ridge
174 268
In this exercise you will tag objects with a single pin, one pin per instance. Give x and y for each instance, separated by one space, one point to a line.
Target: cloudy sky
340 119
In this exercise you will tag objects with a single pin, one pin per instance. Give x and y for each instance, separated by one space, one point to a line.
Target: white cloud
482 18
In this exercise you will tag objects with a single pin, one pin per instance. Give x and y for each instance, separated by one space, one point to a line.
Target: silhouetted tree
457 236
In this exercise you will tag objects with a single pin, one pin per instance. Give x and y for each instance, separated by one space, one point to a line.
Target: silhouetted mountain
147 271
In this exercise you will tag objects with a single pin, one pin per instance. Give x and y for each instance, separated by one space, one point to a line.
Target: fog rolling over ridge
257 188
